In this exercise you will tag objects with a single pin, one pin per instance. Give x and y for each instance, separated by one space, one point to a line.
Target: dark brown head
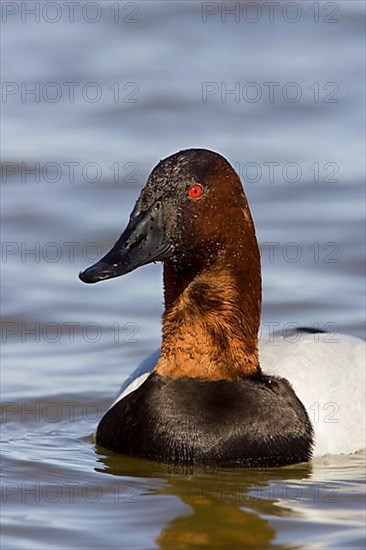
191 210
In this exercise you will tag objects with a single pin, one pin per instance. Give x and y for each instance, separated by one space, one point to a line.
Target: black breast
250 422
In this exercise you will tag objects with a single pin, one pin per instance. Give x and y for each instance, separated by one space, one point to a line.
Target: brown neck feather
212 313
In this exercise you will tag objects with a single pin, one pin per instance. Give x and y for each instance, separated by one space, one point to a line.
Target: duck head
193 216
190 211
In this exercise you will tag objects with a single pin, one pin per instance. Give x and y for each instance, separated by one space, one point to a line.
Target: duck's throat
210 324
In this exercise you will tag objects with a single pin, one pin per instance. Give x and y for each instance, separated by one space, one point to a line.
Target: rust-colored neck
212 313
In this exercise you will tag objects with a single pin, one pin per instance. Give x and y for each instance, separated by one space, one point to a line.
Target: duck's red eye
196 191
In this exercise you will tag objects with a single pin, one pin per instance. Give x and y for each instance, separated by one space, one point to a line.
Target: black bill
142 242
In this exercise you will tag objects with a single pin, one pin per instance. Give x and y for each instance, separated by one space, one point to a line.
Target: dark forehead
191 164
188 166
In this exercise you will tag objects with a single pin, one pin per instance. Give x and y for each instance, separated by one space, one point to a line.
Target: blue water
110 100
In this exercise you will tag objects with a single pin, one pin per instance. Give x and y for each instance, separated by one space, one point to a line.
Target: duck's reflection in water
229 507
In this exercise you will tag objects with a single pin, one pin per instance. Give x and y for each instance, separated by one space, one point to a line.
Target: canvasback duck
211 395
